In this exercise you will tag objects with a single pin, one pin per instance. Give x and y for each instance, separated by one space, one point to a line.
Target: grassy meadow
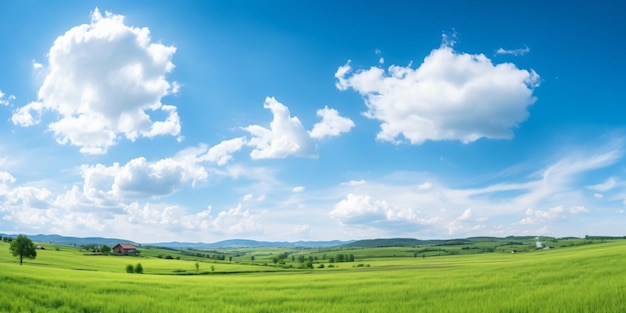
581 278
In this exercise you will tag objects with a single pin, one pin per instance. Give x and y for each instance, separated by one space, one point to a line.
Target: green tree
105 249
129 269
197 266
138 268
252 258
23 247
340 258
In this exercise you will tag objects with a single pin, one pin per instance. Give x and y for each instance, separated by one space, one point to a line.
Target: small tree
138 268
23 247
252 258
129 269
105 249
197 266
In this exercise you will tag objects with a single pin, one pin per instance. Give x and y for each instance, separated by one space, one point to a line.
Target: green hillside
582 278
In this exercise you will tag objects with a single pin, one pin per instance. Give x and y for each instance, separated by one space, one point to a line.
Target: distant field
585 278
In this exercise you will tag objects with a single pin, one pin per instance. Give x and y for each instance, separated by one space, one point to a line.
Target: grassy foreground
589 278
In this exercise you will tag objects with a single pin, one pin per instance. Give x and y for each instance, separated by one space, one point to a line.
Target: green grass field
586 278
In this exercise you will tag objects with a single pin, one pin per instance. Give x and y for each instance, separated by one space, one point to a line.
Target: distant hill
233 243
411 242
403 242
245 243
70 241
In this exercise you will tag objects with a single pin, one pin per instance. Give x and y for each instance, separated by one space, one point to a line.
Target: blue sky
312 120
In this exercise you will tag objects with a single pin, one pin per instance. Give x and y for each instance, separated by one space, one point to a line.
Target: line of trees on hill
6 238
604 237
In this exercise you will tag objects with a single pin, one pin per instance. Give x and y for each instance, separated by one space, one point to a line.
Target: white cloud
27 196
24 115
104 79
450 96
578 209
598 195
355 182
6 177
425 186
607 185
5 101
235 221
222 152
541 198
286 135
139 178
466 214
153 215
515 52
459 223
361 209
5 180
537 216
37 65
297 189
331 125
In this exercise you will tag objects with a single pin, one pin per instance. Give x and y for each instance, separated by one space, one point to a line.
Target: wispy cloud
543 197
515 52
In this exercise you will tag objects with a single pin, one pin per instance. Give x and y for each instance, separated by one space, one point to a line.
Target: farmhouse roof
125 246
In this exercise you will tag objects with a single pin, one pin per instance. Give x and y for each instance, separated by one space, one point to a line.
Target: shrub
129 268
138 268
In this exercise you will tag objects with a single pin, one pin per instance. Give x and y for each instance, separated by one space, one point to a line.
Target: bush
138 268
321 266
129 268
